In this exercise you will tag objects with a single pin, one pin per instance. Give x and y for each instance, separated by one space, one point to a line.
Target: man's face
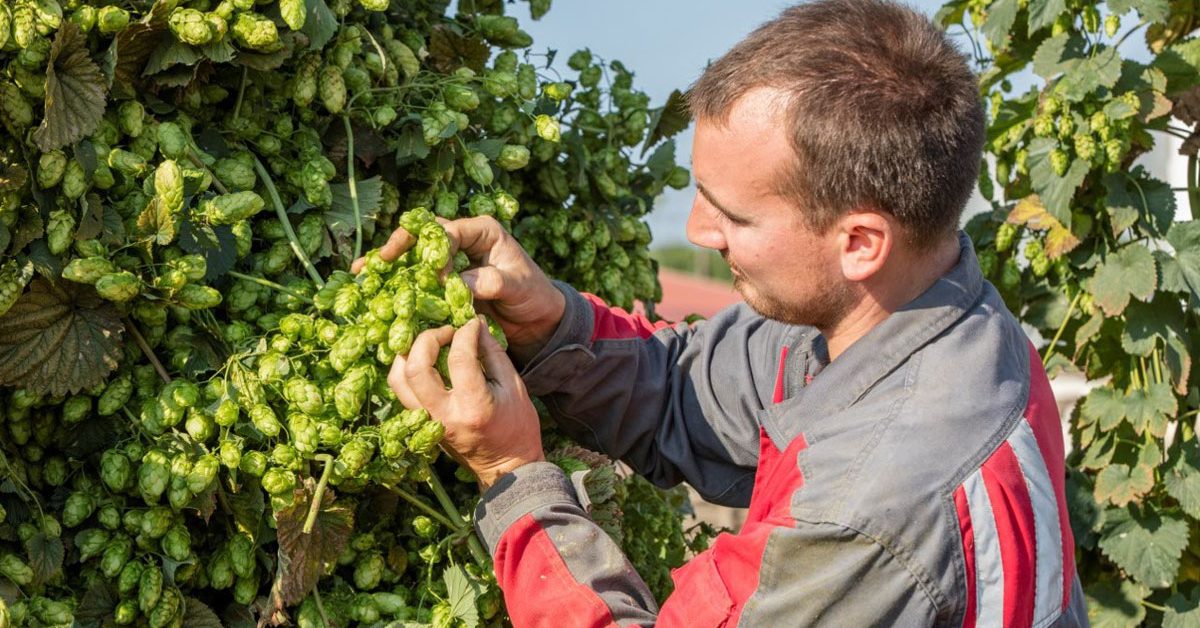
784 270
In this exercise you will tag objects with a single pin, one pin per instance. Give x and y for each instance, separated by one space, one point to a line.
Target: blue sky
666 43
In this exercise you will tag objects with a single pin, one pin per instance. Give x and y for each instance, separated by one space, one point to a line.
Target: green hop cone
190 26
264 420
277 481
111 18
256 32
332 88
227 209
51 167
368 570
557 91
153 475
547 128
198 297
1112 24
115 555
172 141
425 441
91 542
460 97
78 507
88 269
476 165
294 13
513 157
253 463
116 470
150 587
177 543
60 231
168 186
119 286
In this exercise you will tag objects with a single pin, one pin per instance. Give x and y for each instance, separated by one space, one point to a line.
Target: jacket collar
843 381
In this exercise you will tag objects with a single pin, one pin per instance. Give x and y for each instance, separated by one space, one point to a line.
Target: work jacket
916 480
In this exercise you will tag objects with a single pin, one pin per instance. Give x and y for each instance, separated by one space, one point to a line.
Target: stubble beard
823 311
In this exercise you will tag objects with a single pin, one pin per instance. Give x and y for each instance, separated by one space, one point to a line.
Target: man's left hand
491 425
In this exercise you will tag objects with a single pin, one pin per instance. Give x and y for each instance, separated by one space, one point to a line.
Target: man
873 402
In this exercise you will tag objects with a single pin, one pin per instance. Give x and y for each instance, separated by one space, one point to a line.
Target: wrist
487 478
523 349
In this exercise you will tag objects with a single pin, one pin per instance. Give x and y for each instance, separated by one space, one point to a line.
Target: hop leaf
58 339
74 92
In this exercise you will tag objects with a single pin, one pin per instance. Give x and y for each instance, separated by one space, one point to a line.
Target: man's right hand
508 286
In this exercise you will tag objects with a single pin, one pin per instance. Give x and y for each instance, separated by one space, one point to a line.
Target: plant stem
315 507
1153 606
287 224
195 159
1193 187
321 607
1061 328
145 347
473 543
270 284
423 507
237 109
350 179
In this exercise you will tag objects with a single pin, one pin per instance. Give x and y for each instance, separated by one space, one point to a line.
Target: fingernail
469 278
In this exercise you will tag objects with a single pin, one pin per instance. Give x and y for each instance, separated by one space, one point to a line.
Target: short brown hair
882 111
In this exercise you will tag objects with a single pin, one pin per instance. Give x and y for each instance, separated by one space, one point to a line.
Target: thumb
486 282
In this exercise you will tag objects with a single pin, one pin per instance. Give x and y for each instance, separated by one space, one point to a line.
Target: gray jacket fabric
916 480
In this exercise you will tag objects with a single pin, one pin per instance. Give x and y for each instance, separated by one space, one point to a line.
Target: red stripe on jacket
1013 511
614 323
534 579
968 541
1042 414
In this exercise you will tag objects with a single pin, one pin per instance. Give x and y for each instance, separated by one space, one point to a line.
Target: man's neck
906 278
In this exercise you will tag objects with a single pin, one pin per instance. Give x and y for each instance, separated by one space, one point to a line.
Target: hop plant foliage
183 186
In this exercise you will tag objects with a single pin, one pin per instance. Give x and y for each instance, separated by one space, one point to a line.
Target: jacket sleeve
674 402
556 567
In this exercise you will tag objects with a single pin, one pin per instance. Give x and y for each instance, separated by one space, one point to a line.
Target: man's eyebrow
708 195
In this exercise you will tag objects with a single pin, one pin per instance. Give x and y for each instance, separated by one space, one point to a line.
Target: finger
474 236
420 371
485 282
463 360
396 245
496 362
399 384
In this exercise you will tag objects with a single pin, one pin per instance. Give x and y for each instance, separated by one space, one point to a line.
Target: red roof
685 294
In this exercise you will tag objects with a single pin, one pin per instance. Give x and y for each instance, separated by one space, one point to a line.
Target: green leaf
1182 478
1151 10
1145 544
1128 272
1042 13
1116 605
1185 238
59 339
114 225
1179 363
45 557
217 244
1085 76
97 605
320 24
1000 17
1170 273
169 56
198 615
219 51
266 62
74 91
410 146
1136 196
1057 54
1180 63
462 592
1085 514
450 49
490 148
1148 323
1121 484
129 52
304 557
1055 192
157 222
1151 408
1100 453
668 120
662 160
248 507
1183 612
91 219
340 215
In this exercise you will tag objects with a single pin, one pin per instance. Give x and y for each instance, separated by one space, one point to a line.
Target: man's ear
865 242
